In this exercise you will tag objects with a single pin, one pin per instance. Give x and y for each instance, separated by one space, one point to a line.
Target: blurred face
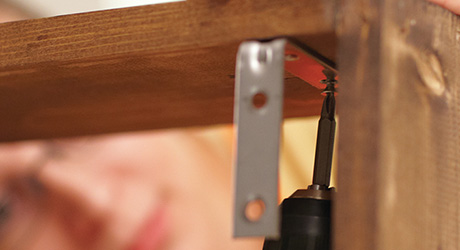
164 190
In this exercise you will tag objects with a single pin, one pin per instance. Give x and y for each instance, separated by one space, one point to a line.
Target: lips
153 233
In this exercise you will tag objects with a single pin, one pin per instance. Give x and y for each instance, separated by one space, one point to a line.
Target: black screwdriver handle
306 225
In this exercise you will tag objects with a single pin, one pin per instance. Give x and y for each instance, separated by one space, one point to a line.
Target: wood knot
42 37
430 71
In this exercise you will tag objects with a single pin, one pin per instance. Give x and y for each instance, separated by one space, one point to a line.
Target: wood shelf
148 67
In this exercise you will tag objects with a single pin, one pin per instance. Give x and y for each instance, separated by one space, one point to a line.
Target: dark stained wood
149 67
399 145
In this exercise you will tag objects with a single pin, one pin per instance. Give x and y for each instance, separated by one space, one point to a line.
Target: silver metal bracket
258 117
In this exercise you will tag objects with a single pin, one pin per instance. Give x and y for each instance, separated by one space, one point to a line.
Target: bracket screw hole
262 56
259 100
254 210
291 57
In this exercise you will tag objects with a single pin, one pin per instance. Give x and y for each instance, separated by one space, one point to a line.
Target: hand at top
452 5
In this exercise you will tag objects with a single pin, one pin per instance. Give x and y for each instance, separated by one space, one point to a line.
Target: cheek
200 199
83 232
39 229
53 235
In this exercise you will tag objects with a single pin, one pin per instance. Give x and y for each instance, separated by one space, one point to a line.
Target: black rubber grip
305 225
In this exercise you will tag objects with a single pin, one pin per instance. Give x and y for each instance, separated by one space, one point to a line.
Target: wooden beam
399 147
149 67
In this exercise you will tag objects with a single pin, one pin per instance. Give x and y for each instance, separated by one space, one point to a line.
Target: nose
78 185
76 194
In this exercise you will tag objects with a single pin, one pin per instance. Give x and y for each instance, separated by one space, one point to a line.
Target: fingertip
441 3
451 5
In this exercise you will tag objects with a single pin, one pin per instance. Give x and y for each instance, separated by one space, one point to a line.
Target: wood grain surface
399 145
149 67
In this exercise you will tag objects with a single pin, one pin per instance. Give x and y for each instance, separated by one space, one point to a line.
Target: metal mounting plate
259 74
306 64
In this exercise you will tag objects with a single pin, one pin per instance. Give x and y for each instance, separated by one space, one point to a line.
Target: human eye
17 199
5 211
18 213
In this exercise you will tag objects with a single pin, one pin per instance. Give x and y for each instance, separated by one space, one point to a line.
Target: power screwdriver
306 214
